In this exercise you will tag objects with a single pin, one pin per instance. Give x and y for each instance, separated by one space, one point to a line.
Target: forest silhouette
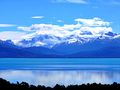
6 85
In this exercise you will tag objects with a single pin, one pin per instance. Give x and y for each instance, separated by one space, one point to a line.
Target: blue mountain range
73 46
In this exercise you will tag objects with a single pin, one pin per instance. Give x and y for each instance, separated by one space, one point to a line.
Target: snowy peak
50 41
49 35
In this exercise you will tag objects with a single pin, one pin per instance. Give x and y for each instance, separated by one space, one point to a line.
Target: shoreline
4 84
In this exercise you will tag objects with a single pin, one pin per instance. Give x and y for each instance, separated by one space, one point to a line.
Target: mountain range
77 45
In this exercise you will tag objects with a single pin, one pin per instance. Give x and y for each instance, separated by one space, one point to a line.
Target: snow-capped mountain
50 41
88 38
106 45
49 35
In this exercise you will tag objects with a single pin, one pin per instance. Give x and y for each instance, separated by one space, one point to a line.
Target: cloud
92 22
48 29
24 28
11 35
52 34
105 2
115 2
38 17
7 25
60 21
71 1
94 3
96 26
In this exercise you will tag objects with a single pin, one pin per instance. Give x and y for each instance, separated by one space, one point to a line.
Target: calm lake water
64 71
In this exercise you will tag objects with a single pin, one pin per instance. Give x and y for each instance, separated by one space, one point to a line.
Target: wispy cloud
95 22
110 2
94 25
60 21
115 2
38 17
7 25
71 1
92 2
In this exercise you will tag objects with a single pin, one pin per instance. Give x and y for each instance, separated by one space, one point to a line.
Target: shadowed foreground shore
6 85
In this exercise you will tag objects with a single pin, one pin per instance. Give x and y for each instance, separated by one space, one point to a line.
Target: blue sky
15 13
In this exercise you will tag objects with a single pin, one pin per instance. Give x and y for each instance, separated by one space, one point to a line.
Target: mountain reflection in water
51 78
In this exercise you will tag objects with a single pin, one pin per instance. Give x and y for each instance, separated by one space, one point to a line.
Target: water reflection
51 78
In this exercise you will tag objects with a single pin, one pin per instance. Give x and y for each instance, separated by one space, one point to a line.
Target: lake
63 71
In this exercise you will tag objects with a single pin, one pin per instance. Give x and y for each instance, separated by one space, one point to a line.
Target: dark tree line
6 85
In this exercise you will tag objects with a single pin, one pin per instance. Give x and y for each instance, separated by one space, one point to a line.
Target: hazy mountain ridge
50 41
106 45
